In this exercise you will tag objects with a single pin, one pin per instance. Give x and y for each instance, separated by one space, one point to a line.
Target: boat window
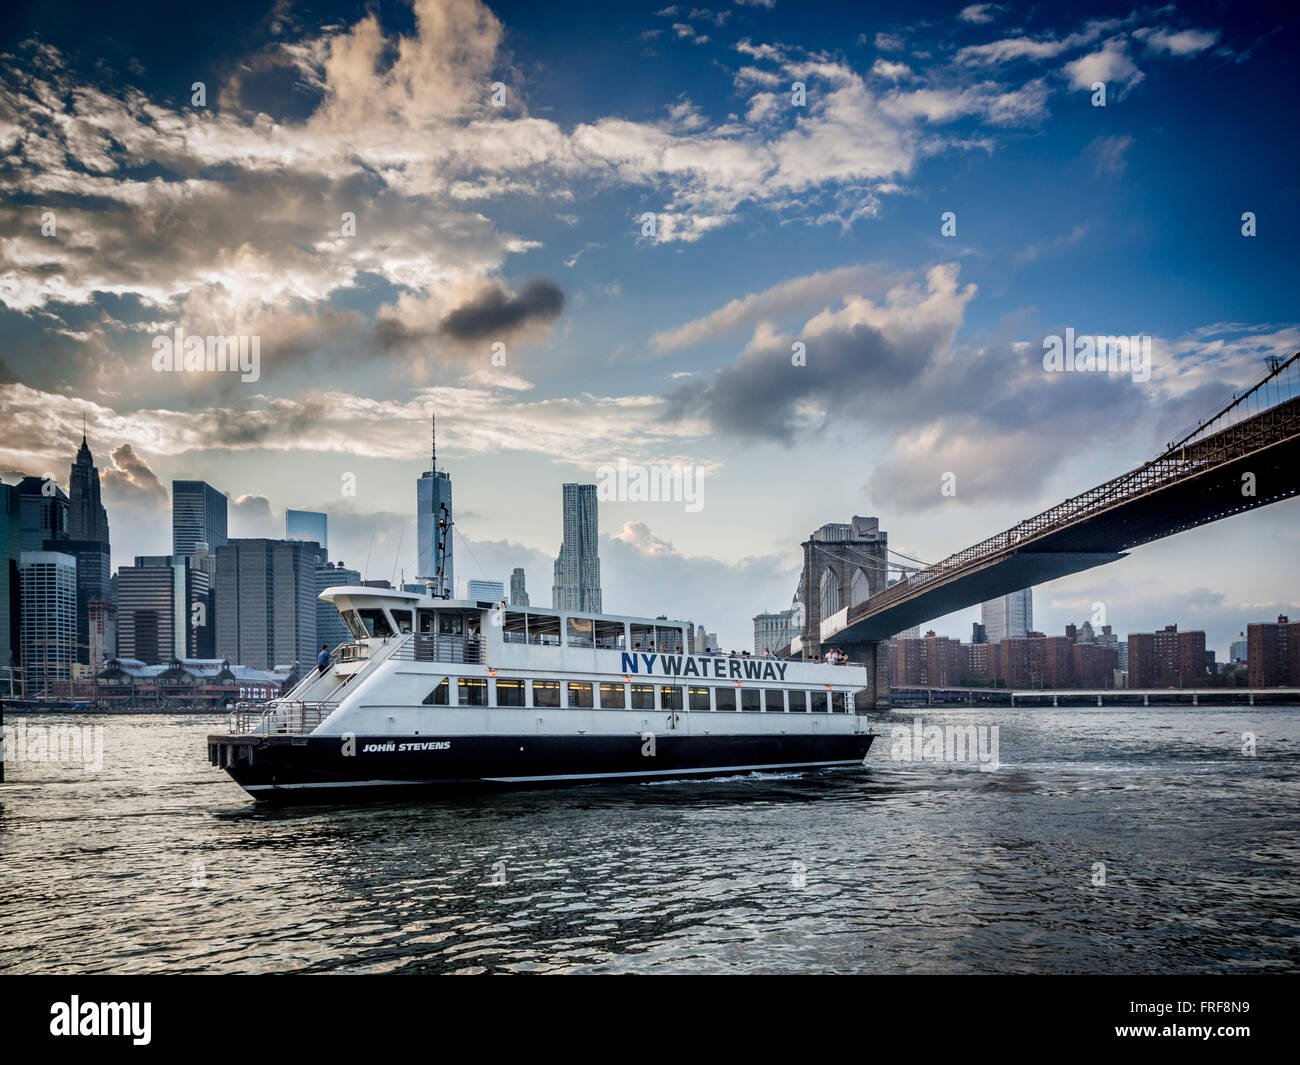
839 703
438 697
473 691
612 697
355 626
751 699
818 700
425 622
798 702
643 636
726 698
669 638
670 697
580 694
510 693
514 627
546 693
451 623
544 629
774 701
609 635
376 622
699 698
643 696
579 632
403 619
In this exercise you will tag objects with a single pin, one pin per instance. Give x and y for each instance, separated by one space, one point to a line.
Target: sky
808 253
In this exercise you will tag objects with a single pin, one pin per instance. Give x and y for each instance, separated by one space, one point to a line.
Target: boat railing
431 647
283 718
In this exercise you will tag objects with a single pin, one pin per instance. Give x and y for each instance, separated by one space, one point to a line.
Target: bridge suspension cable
1276 386
1253 418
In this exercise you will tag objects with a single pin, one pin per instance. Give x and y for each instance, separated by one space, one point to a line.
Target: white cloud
1179 42
1010 49
792 295
1108 154
979 13
894 71
1111 65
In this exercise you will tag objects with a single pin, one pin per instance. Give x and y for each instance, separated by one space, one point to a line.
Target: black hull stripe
765 766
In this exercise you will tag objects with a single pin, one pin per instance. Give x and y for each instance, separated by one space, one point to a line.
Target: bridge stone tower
843 564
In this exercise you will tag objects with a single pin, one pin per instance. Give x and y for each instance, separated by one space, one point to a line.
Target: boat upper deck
500 636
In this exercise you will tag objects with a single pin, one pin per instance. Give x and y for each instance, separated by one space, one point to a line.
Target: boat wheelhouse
432 692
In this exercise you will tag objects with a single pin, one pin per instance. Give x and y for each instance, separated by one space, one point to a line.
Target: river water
159 863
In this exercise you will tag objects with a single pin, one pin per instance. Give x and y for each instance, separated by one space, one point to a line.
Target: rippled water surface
159 863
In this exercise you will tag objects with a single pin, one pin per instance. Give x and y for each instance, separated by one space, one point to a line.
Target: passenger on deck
323 659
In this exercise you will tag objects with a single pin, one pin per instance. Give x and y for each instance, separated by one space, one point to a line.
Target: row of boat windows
582 695
516 627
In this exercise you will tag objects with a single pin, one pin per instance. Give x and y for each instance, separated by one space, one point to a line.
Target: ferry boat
436 693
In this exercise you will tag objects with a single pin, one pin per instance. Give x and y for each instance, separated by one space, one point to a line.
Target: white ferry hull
315 768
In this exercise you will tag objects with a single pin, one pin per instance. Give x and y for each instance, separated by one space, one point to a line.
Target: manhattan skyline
774 223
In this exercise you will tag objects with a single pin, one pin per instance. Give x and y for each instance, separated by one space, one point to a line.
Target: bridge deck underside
1101 537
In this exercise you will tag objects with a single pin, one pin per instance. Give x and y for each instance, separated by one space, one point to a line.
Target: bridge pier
875 656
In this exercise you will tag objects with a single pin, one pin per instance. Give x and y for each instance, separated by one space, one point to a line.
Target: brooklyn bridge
1245 455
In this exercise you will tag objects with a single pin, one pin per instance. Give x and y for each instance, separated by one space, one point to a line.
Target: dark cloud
762 395
913 405
390 333
236 428
493 312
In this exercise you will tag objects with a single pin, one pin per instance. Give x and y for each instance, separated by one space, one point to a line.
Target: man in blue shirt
323 659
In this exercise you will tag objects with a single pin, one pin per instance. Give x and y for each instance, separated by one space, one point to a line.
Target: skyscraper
1237 649
49 618
1008 617
11 539
773 630
198 516
94 577
577 569
433 525
87 519
156 616
518 593
265 602
44 512
306 525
